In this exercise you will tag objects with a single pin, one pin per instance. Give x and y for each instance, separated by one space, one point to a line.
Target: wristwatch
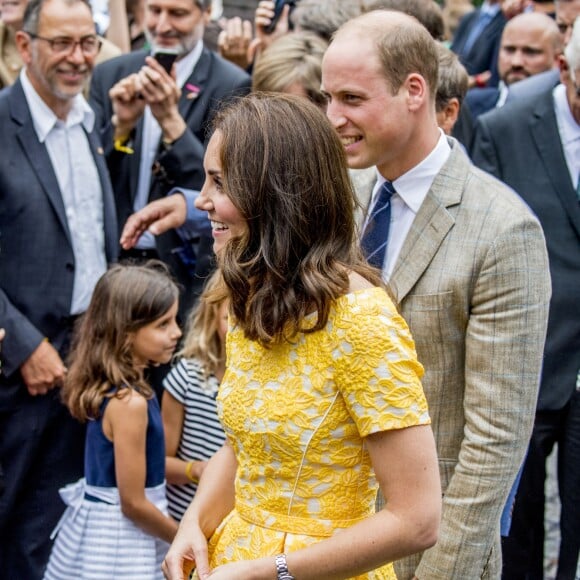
282 568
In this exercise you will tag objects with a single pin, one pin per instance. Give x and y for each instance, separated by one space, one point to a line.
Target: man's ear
447 118
564 69
24 46
417 91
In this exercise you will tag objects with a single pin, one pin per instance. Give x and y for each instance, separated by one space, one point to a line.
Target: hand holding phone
166 59
278 8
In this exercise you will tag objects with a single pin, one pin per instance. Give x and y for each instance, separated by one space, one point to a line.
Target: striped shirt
202 433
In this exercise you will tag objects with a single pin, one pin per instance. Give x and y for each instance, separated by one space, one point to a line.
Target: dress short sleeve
378 373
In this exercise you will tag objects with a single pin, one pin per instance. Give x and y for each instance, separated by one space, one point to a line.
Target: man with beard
153 127
58 232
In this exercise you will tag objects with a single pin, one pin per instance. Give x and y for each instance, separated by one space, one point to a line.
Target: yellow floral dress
296 416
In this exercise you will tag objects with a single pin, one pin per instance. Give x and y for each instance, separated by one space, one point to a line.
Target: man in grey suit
58 232
533 145
467 263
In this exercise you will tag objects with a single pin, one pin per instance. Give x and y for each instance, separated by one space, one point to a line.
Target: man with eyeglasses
153 125
58 232
533 145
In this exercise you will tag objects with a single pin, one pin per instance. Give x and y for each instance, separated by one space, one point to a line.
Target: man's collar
44 118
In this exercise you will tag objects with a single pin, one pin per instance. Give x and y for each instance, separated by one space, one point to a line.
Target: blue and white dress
94 540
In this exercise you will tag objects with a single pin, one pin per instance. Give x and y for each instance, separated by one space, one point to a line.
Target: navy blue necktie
376 234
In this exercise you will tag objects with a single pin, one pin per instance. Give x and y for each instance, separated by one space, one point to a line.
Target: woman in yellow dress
321 401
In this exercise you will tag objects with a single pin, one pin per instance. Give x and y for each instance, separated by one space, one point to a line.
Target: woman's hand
188 550
244 570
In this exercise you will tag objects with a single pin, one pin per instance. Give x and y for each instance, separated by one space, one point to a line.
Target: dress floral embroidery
297 414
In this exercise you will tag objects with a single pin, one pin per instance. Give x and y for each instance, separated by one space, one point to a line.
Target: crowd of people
290 298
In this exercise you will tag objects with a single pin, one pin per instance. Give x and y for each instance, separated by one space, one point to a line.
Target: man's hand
161 93
128 106
43 370
263 18
157 217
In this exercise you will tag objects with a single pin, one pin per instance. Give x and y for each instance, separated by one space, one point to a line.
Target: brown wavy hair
284 168
126 298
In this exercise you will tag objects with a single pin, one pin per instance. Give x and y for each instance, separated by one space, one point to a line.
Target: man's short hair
453 79
572 50
404 48
31 19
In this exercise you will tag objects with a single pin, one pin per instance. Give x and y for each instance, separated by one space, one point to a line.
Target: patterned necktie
376 234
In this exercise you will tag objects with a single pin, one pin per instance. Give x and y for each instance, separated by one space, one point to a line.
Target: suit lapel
194 85
37 154
544 129
109 215
431 224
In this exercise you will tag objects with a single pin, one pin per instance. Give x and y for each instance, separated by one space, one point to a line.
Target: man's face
174 24
525 50
572 92
59 76
373 124
566 13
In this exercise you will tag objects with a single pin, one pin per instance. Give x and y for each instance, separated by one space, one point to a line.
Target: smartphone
278 7
165 59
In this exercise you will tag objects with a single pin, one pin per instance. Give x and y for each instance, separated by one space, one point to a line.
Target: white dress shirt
569 133
150 143
80 186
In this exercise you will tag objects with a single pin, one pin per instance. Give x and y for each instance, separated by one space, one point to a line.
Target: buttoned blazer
37 262
483 54
472 282
521 145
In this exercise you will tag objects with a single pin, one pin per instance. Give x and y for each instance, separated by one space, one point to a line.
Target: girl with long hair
116 523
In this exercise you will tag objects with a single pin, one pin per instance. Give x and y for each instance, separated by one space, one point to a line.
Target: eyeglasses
90 45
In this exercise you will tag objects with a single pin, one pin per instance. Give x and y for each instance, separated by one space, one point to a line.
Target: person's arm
126 421
118 31
405 463
173 414
504 343
28 352
213 501
158 217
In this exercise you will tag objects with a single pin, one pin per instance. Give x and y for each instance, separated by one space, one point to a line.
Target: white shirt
150 144
569 133
411 189
80 186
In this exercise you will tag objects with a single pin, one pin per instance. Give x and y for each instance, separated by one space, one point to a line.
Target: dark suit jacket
181 165
483 55
36 255
520 144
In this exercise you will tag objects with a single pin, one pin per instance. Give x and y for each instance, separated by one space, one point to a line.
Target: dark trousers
41 450
523 549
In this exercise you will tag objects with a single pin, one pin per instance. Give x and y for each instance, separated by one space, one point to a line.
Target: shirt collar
184 66
570 130
43 117
414 185
491 9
